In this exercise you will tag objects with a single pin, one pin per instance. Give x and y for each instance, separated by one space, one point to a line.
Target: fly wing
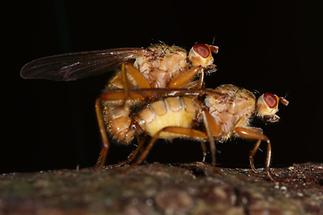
77 65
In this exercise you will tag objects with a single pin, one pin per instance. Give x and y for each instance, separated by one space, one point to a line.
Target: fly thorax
160 70
173 63
227 110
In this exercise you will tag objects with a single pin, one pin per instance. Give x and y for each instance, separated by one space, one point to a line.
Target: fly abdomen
171 111
118 122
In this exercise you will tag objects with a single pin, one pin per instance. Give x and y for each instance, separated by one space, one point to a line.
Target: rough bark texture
164 189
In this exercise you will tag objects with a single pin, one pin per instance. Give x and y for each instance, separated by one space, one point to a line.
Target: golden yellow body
172 111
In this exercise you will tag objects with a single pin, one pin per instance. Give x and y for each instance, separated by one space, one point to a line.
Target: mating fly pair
165 84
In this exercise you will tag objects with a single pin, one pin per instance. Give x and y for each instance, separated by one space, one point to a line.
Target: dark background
274 46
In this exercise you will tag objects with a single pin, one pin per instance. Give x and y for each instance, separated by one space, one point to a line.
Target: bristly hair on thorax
161 49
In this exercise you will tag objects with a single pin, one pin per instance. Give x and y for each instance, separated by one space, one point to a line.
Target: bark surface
195 188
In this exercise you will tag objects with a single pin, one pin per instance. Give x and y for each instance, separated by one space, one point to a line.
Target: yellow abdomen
171 111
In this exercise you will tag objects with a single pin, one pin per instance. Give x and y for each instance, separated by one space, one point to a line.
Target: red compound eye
270 100
202 50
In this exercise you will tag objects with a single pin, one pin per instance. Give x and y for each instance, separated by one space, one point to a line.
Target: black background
272 46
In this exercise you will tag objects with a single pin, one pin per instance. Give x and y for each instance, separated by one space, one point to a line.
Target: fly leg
132 156
105 141
256 134
112 95
184 78
125 82
129 77
200 82
204 150
126 69
178 131
212 130
141 82
108 97
252 153
136 75
197 84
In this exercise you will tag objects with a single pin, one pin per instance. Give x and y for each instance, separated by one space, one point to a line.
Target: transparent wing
73 66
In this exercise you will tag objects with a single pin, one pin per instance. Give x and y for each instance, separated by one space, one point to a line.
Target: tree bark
195 188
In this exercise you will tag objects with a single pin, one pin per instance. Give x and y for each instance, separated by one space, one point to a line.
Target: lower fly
223 112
